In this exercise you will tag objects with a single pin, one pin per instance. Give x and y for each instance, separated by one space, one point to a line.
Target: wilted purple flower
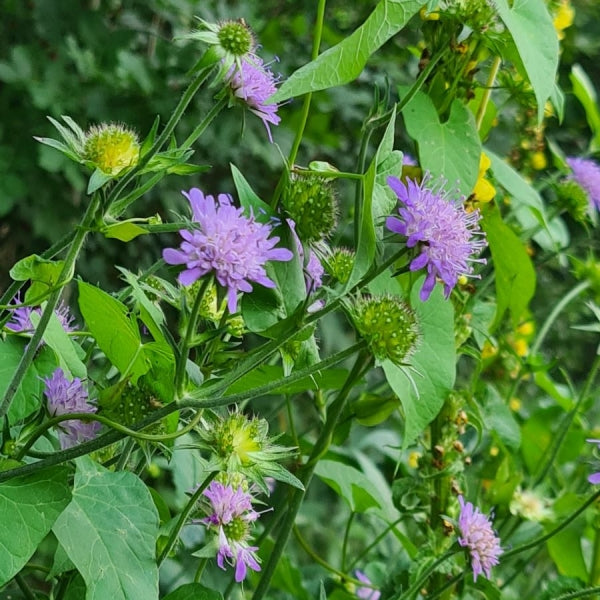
586 173
594 478
21 317
254 83
231 513
446 234
478 536
366 593
66 397
225 241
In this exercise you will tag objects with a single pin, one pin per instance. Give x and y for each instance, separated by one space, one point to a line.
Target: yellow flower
538 161
514 404
563 18
432 16
526 328
521 347
413 459
483 191
488 350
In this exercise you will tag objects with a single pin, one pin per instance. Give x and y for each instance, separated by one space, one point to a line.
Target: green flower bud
574 199
235 37
237 436
339 265
310 201
111 148
388 325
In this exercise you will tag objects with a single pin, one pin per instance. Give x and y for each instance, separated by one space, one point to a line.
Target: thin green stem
208 119
547 536
201 566
63 278
375 541
580 594
346 538
593 578
184 348
488 91
183 517
306 472
20 580
453 581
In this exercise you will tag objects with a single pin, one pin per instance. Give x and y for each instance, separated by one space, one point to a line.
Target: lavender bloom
445 232
66 397
409 161
235 247
586 173
254 83
366 593
21 318
231 515
594 478
479 537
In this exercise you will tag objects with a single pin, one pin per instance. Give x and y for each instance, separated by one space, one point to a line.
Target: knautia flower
586 173
111 148
477 535
340 264
252 82
366 593
20 321
227 243
66 397
594 478
230 514
529 505
446 235
229 40
388 325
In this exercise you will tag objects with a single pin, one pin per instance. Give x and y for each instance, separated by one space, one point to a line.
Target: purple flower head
586 173
226 242
409 161
446 235
66 397
594 478
478 536
21 317
232 513
366 593
254 83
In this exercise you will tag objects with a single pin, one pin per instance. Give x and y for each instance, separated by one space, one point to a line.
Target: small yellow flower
514 404
111 148
494 451
483 191
488 350
526 328
521 347
432 16
413 459
538 161
563 18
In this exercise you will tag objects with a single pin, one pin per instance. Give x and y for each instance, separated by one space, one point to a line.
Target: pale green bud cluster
574 199
111 148
340 264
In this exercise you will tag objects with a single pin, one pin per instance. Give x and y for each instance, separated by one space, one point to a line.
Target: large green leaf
28 397
434 362
535 38
584 91
451 149
109 531
194 591
29 507
515 275
113 330
345 61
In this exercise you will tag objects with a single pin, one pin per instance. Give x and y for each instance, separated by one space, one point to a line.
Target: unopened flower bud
235 37
310 201
339 265
574 199
111 148
389 326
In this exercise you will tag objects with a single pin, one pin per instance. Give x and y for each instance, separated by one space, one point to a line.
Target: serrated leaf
515 275
29 506
345 61
193 591
113 331
109 531
532 30
451 149
433 364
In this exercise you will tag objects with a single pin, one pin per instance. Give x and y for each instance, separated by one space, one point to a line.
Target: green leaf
515 275
29 506
345 61
584 91
351 484
532 30
434 361
109 531
499 418
28 398
451 149
113 331
44 273
193 591
97 180
248 198
124 231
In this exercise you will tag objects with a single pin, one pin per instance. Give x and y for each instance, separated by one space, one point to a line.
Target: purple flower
409 161
366 593
586 173
21 318
478 536
594 478
254 83
233 246
66 397
447 236
231 514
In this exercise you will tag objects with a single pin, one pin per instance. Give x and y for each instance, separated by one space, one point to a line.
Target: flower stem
65 276
185 513
580 594
208 119
306 472
488 91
